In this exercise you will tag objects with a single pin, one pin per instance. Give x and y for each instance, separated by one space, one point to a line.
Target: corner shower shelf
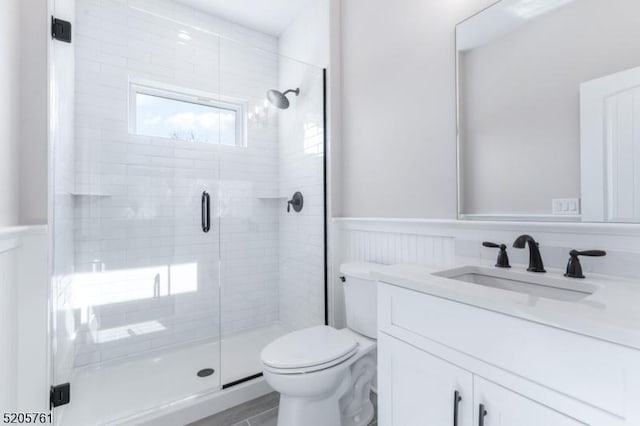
271 197
90 194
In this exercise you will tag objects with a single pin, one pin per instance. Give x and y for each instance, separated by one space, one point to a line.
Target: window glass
183 120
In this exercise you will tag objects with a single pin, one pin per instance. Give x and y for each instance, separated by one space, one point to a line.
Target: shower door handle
206 212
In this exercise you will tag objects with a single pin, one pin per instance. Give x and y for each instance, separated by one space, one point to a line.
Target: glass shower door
137 126
249 213
271 257
61 214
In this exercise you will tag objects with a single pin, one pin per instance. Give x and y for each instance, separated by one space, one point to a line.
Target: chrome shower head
279 99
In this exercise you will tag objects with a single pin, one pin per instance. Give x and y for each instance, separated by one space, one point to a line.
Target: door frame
593 144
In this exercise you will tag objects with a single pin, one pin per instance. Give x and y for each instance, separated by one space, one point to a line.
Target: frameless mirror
549 111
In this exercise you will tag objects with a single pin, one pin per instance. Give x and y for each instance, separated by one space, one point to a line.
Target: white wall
306 39
399 134
34 36
9 113
23 112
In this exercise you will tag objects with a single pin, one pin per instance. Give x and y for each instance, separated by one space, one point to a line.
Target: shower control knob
297 201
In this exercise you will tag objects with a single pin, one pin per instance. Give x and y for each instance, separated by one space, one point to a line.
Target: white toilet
325 375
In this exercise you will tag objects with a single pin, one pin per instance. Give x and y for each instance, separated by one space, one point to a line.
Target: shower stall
178 141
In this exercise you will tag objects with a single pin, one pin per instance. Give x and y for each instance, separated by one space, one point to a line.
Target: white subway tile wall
301 169
146 275
249 224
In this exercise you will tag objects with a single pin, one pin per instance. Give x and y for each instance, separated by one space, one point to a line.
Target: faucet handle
503 258
491 245
574 268
591 253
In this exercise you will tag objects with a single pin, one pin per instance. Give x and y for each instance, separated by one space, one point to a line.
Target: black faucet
535 259
503 258
574 269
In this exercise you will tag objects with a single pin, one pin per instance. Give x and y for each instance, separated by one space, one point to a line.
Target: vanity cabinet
503 407
420 389
524 373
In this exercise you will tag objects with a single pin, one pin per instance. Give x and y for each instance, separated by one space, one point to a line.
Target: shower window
158 112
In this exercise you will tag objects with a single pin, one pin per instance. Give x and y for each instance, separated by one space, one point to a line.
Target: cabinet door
418 389
506 408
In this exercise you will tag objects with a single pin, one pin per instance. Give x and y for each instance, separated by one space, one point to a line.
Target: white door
418 389
501 407
610 148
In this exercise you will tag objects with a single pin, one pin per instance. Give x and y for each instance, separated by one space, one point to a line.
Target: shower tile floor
120 389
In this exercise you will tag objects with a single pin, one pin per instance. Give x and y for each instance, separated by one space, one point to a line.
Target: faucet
535 259
574 269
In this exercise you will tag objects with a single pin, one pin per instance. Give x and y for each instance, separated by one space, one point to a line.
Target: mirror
549 111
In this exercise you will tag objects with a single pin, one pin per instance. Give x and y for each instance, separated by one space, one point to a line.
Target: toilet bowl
324 375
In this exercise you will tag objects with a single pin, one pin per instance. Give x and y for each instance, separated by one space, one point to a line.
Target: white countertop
611 313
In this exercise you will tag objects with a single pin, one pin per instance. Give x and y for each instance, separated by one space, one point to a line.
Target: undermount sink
540 285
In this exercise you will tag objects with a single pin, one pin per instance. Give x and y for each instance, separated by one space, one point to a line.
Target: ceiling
267 16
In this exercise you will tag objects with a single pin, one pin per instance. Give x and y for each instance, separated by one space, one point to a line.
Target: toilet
324 375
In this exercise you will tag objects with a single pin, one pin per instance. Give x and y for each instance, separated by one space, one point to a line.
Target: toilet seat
308 350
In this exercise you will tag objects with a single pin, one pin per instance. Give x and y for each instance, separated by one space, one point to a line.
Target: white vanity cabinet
419 389
522 372
503 407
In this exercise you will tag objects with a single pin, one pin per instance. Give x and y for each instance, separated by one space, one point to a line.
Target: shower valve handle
297 201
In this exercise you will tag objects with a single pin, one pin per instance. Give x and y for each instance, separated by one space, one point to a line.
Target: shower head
279 99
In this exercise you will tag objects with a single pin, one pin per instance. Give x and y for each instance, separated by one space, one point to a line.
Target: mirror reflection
549 111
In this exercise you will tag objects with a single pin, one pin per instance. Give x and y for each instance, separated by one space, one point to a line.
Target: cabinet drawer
591 371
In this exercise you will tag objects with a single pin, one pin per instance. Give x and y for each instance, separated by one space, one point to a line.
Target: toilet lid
307 348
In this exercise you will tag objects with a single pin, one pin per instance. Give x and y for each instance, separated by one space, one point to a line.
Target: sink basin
540 285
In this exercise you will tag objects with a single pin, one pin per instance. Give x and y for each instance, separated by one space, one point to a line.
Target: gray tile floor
252 413
259 412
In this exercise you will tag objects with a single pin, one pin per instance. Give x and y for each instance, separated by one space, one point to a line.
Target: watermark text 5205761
27 418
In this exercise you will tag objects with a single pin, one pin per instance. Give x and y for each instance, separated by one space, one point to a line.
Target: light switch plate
565 206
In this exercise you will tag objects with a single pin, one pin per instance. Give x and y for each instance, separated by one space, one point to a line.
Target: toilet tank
361 297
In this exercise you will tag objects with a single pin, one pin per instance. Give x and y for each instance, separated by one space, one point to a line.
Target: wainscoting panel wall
8 323
24 290
438 242
396 247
